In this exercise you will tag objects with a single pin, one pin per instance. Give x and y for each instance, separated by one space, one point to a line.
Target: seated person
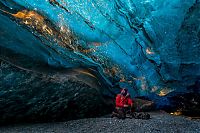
123 104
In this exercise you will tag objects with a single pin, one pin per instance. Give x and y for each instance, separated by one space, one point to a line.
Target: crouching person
123 104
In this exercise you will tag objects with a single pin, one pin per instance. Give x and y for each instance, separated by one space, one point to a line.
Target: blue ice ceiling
151 46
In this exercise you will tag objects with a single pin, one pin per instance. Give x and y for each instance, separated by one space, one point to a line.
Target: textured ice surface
153 46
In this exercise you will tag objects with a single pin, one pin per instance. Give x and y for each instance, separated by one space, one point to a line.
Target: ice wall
149 46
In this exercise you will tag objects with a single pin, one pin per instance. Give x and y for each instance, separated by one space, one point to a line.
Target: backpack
141 115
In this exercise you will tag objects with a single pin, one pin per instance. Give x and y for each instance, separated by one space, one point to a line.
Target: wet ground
160 122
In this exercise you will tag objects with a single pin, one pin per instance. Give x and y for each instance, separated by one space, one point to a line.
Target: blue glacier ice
151 47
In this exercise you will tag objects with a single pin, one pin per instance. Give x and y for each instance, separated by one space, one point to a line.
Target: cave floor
160 122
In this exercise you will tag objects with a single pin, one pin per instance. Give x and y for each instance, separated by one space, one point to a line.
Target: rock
186 104
143 105
29 97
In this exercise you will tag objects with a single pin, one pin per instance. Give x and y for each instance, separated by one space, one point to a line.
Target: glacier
151 47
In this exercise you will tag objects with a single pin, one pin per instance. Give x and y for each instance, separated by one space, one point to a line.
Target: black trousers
121 112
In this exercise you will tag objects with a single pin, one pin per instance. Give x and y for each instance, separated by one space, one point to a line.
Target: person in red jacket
123 104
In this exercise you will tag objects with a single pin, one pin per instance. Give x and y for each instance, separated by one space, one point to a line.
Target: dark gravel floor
160 122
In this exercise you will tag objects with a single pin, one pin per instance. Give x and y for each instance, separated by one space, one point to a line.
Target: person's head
124 91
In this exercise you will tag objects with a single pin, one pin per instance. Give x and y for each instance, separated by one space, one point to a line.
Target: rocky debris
159 123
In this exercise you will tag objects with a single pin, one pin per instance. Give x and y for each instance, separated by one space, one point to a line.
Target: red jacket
122 100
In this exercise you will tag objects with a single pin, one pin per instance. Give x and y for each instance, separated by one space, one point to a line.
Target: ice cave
67 59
